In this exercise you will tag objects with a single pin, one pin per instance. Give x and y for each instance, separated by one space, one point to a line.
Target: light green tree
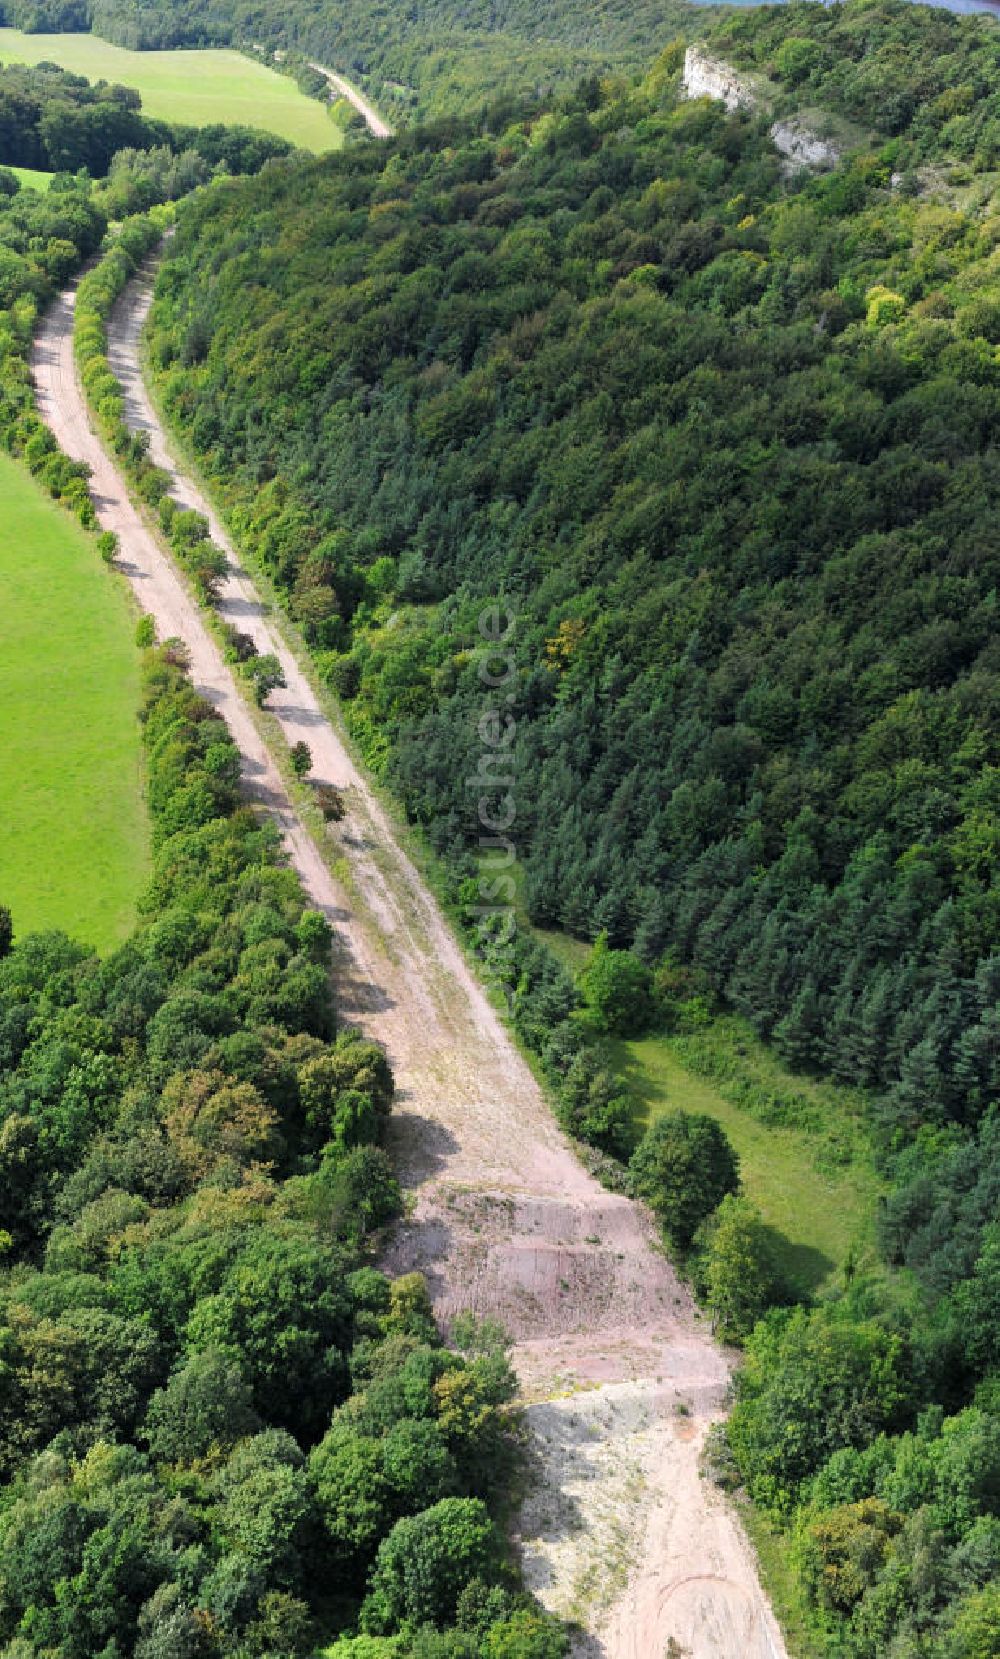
740 1273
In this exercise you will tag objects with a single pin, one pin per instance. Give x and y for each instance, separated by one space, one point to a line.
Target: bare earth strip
619 1531
341 88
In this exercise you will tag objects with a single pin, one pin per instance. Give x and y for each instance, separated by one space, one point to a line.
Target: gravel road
343 89
620 1377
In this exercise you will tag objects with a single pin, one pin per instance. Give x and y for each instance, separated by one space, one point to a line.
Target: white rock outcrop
706 77
803 147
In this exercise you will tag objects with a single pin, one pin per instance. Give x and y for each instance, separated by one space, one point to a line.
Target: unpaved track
343 89
620 1378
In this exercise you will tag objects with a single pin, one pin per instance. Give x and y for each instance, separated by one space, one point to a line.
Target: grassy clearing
198 88
74 847
30 178
803 1155
814 1185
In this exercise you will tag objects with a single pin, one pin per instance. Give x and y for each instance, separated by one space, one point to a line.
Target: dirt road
620 1377
343 89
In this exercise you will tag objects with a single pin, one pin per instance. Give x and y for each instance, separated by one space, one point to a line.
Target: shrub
330 802
618 990
265 675
426 1562
238 647
344 676
683 1167
739 1274
301 758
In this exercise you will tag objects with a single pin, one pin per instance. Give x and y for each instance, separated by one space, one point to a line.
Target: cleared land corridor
619 1531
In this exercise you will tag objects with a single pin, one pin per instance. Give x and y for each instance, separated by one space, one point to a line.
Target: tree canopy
217 1420
721 436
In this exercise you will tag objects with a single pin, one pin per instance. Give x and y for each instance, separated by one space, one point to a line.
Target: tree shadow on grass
643 1090
802 1267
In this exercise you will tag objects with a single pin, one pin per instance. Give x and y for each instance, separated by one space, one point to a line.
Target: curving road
619 1529
342 88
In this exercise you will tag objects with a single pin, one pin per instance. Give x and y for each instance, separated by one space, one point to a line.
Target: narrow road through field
342 88
620 1377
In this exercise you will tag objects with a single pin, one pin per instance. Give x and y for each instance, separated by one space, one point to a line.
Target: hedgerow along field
74 847
197 88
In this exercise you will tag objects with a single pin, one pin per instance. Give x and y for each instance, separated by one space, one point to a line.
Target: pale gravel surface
378 127
620 1531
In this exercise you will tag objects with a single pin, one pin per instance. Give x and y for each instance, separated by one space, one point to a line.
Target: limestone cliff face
706 77
802 147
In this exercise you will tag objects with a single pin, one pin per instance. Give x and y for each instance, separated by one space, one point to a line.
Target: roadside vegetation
74 850
432 62
222 1432
723 439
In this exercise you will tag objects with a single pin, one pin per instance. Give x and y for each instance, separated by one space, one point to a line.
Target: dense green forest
696 425
435 58
724 439
221 1431
925 76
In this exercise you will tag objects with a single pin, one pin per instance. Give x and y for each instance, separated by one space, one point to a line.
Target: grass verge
783 1586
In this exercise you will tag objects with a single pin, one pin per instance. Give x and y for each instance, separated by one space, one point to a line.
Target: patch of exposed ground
619 1531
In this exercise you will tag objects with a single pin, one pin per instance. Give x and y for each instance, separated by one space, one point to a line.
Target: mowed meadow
197 88
74 839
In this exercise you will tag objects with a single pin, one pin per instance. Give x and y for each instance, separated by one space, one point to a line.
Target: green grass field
820 1210
74 839
31 178
193 87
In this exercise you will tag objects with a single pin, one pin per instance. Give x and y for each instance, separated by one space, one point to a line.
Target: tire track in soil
619 1377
